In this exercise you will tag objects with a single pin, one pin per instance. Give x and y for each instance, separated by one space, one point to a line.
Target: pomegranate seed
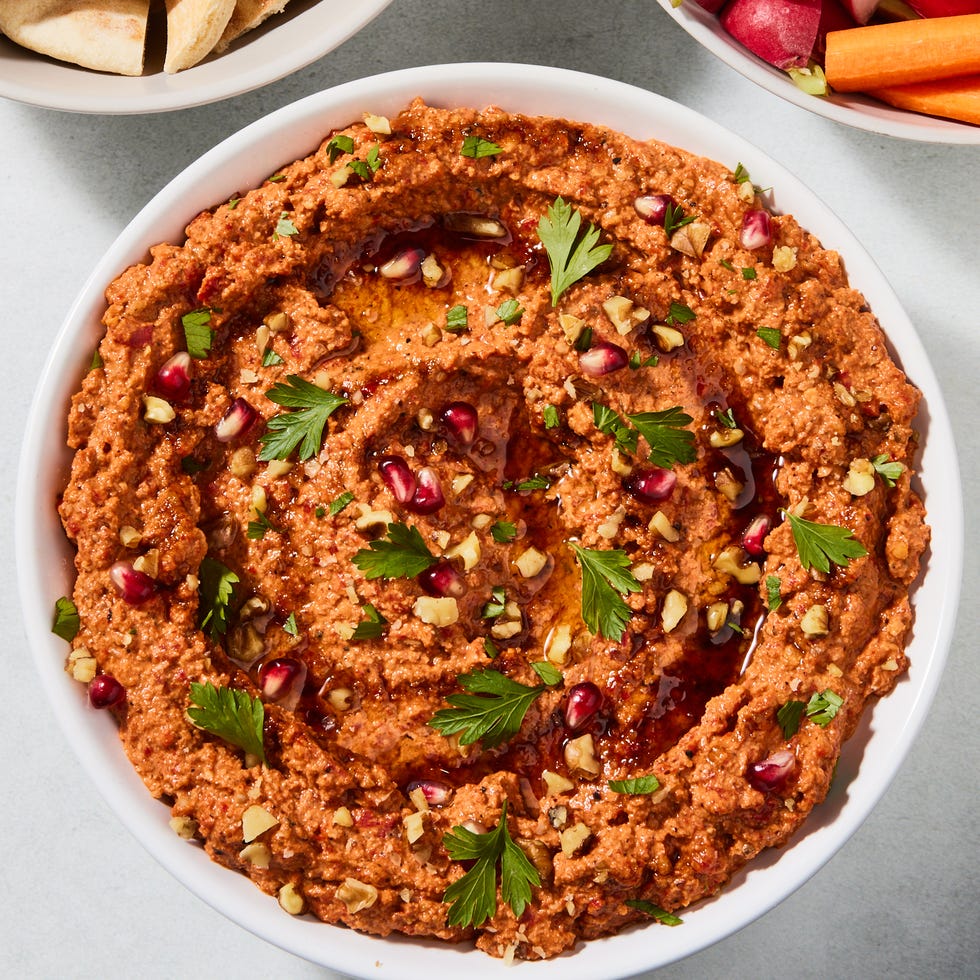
319 720
756 229
771 774
652 208
173 380
603 358
404 265
104 691
398 478
282 681
755 535
428 496
435 792
651 483
584 700
236 422
461 422
133 586
442 579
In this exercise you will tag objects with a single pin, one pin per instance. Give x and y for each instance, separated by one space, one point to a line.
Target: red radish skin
713 6
944 8
833 17
782 32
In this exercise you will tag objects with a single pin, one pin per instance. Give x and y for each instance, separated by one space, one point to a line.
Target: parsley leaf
820 544
198 334
680 314
608 422
770 336
822 708
674 218
531 483
606 578
66 622
741 175
403 555
474 896
369 166
550 416
749 274
215 591
773 598
726 264
637 361
887 468
570 257
97 361
637 786
549 673
661 915
257 528
290 626
457 319
339 144
285 226
503 532
490 648
372 626
789 717
664 432
726 418
304 427
477 147
509 311
271 359
339 503
491 712
495 606
232 715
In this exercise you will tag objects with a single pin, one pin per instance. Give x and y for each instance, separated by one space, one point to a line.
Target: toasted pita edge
193 29
248 15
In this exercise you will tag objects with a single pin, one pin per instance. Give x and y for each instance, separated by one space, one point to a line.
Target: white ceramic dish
304 31
44 556
851 109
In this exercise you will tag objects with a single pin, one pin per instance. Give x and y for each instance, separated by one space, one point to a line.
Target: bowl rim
852 109
243 160
264 55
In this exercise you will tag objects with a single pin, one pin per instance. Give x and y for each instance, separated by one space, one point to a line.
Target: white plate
848 108
44 556
305 31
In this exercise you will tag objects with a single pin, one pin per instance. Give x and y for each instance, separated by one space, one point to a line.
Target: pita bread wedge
107 35
193 29
247 14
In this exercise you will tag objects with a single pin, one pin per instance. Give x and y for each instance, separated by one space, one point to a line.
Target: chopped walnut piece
291 899
356 895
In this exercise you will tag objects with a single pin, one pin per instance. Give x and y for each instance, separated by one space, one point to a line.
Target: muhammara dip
491 527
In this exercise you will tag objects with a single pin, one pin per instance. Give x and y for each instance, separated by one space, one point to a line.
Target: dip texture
699 446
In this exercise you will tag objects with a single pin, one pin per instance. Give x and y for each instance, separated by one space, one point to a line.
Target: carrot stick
903 52
952 98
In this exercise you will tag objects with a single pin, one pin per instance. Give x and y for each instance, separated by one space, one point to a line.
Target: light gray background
78 896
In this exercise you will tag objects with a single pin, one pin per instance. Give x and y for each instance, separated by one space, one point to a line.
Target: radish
781 32
944 8
712 6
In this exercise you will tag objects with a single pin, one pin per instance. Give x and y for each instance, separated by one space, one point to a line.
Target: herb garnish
368 167
531 483
509 311
503 532
495 605
570 257
680 314
584 341
230 714
290 626
674 218
741 175
490 648
339 503
789 717
403 555
606 578
285 227
304 427
607 421
215 590
820 544
457 318
749 274
372 626
66 622
887 468
256 529
726 418
339 144
637 361
773 598
474 896
726 264
271 359
477 147
661 915
664 432
637 786
97 361
491 712
550 416
198 334
770 336
549 673
821 709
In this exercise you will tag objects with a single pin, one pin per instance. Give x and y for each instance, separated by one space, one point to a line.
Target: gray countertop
79 896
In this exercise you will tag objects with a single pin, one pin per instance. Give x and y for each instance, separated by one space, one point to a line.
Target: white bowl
851 109
870 759
284 44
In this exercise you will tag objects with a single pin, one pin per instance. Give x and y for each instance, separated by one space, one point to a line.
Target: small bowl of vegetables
903 68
